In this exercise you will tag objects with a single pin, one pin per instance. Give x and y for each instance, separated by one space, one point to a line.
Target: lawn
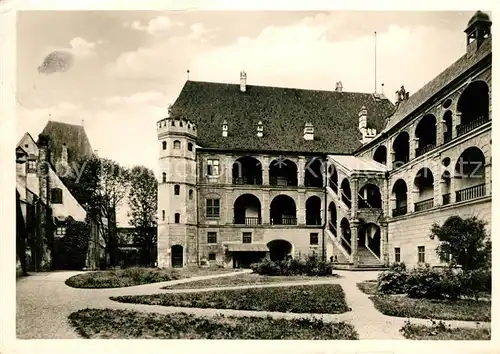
136 276
243 279
439 331
323 298
126 324
402 306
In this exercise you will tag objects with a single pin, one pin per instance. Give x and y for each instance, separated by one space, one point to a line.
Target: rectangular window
211 256
247 237
213 208
163 215
421 254
313 238
31 165
177 218
60 231
212 167
211 237
397 254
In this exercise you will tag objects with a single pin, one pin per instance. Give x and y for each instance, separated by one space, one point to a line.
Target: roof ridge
284 88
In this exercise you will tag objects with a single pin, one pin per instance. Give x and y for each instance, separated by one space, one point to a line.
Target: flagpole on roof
375 61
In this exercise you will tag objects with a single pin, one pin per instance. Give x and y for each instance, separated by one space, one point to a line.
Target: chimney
401 95
367 134
243 81
338 86
64 155
308 131
224 129
260 129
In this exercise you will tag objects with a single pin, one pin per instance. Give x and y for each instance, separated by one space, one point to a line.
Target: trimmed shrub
312 266
266 267
425 282
393 280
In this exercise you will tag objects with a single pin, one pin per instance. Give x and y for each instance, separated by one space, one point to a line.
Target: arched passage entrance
470 175
380 155
177 253
473 106
332 222
313 211
247 170
369 236
279 250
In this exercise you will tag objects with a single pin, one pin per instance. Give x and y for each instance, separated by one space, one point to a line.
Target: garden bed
243 279
439 331
126 324
137 276
403 306
323 298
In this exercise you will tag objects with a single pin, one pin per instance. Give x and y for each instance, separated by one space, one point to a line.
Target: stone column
384 240
439 131
455 123
413 141
265 170
487 177
266 207
453 198
414 196
392 206
354 197
391 159
354 241
301 171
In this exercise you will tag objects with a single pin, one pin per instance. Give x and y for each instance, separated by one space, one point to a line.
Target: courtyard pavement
44 302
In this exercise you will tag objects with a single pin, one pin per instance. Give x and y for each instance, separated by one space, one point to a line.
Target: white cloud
155 26
301 55
80 47
148 97
199 32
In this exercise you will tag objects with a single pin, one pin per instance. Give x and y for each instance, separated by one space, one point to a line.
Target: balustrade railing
402 210
284 221
467 127
425 149
424 204
248 220
471 193
282 181
313 221
446 198
247 180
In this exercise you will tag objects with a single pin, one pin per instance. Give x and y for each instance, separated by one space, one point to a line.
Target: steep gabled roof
73 136
461 66
283 112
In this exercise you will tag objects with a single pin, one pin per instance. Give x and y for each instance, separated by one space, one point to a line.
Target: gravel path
44 303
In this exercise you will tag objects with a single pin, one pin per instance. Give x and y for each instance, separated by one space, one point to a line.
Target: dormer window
309 131
224 129
260 129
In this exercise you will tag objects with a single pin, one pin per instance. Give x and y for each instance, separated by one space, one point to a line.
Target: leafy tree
71 250
100 185
463 242
143 205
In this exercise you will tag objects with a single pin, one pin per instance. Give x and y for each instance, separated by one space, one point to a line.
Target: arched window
177 218
282 172
177 189
163 215
380 154
313 211
470 176
56 196
345 189
399 195
190 194
424 182
332 223
164 177
190 146
401 147
333 178
164 145
247 170
247 210
283 211
177 144
474 107
425 133
313 176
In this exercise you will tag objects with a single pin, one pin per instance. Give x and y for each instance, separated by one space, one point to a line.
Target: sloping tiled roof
73 136
283 112
446 77
357 163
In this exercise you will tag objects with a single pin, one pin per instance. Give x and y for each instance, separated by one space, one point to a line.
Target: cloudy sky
129 66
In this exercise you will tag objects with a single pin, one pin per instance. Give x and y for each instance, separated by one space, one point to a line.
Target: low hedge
311 266
427 282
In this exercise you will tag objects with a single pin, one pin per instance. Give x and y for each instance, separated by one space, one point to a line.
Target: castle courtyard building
248 172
